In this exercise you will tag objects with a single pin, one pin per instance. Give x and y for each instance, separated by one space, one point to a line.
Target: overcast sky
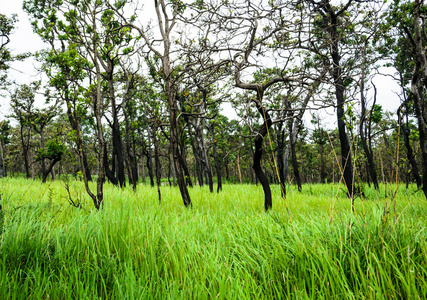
23 40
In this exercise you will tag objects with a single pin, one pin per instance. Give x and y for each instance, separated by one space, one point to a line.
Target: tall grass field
310 246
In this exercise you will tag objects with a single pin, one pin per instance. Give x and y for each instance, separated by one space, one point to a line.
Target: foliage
53 150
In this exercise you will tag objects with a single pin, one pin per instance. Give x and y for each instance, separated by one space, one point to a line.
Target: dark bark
409 151
292 142
331 26
157 164
227 173
75 127
268 203
406 134
210 129
109 173
169 171
49 169
177 159
150 168
418 104
346 156
25 149
199 172
216 159
203 155
98 200
118 152
184 166
372 170
295 166
419 82
42 145
280 137
131 157
322 164
411 156
2 164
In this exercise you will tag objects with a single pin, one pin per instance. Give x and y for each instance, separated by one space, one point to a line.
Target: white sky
23 40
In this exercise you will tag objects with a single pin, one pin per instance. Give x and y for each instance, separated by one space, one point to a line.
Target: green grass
226 247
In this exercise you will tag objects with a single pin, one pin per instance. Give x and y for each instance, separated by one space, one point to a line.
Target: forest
124 175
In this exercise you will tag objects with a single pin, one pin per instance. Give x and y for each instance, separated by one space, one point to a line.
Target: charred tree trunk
175 146
157 164
410 156
118 151
268 203
2 164
150 167
227 173
75 127
295 166
109 173
372 171
186 172
280 136
203 154
409 151
419 106
199 171
419 82
131 157
49 170
25 151
346 156
331 27
292 142
117 138
42 145
216 159
322 165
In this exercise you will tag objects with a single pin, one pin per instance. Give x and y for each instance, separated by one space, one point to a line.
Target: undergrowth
226 247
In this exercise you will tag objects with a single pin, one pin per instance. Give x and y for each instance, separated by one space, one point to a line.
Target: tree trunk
25 152
268 203
418 103
49 170
331 24
109 173
142 169
410 156
118 151
368 151
42 145
75 127
173 109
2 164
292 142
157 163
280 136
419 81
203 154
322 165
238 168
199 170
131 158
216 159
295 166
150 167
227 173
173 171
